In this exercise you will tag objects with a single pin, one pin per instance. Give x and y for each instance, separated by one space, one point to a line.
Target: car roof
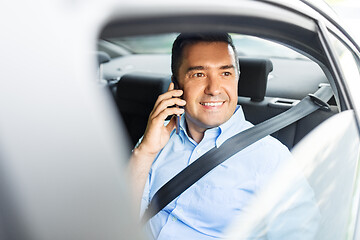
313 8
297 12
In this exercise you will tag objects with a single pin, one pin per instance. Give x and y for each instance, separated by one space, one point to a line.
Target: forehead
208 53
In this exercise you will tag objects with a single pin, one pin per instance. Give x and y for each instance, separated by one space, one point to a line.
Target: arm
155 138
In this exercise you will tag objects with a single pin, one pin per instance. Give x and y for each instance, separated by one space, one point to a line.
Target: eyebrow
195 68
203 68
227 67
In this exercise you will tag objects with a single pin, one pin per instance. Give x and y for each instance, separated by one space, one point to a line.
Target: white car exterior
62 151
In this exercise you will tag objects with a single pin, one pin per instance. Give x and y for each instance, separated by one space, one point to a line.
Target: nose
213 86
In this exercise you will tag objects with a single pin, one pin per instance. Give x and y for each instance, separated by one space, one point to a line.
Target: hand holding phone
157 133
178 117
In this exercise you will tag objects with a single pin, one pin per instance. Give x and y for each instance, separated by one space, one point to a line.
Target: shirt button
198 150
174 219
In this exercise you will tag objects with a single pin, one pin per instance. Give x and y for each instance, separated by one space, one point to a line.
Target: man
206 70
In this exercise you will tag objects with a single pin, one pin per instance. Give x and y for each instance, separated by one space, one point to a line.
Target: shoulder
270 142
271 145
265 144
267 153
273 155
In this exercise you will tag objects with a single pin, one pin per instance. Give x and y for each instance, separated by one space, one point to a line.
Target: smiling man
208 75
206 71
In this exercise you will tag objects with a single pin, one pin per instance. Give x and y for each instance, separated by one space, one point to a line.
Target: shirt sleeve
145 199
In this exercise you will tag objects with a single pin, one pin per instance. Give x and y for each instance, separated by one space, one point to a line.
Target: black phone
178 117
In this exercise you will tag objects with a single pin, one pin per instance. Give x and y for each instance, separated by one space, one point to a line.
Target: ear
175 81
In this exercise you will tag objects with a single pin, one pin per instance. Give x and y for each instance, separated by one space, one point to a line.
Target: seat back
258 108
135 95
253 78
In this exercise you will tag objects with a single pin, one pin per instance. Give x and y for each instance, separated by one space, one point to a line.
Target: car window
151 54
329 165
349 64
294 190
249 45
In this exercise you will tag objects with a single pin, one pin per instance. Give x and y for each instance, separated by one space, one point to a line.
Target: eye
198 75
226 74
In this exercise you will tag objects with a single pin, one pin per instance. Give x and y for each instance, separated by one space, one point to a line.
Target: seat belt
215 156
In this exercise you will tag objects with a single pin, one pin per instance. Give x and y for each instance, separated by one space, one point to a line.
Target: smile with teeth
212 104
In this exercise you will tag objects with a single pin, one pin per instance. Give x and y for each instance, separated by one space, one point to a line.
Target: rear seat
135 94
258 108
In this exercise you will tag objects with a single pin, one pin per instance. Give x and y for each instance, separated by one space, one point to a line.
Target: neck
194 131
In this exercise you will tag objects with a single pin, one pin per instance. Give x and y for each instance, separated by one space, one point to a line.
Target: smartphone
178 117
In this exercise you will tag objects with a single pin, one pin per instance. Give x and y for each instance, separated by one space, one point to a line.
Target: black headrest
253 77
141 87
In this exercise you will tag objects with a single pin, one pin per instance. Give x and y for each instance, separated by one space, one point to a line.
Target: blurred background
349 12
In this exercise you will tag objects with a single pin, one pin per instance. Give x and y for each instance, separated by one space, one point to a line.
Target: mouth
212 104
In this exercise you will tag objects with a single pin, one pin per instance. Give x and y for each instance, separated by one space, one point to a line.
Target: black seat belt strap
215 156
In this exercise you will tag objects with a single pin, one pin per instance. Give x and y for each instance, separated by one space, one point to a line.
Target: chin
213 124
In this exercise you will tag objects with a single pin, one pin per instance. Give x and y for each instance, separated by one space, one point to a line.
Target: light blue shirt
206 209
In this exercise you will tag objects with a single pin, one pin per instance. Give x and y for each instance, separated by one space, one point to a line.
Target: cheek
234 95
231 90
191 93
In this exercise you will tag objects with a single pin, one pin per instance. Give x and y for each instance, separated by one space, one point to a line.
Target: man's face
209 79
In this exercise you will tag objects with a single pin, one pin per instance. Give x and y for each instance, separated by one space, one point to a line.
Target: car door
327 157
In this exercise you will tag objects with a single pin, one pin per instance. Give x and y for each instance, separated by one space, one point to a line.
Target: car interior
92 72
279 67
268 86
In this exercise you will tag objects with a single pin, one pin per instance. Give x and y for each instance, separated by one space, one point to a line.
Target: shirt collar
183 131
224 131
231 126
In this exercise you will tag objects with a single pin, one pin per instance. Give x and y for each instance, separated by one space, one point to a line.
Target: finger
161 117
168 103
168 95
171 92
171 86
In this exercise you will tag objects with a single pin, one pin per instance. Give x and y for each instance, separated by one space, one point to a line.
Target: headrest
102 57
142 87
253 78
